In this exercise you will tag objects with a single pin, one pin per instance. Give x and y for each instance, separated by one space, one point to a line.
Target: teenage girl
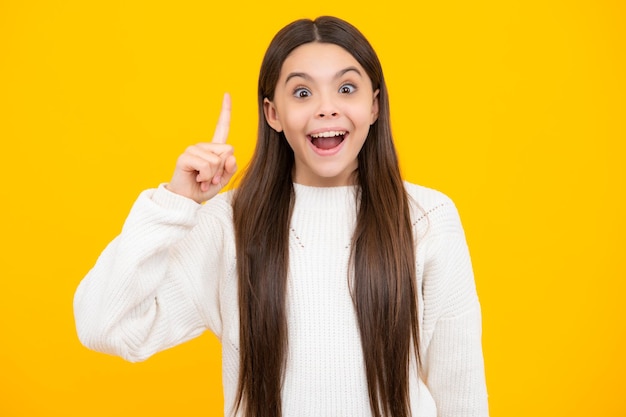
336 288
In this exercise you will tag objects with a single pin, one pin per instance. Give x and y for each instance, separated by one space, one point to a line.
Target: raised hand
205 168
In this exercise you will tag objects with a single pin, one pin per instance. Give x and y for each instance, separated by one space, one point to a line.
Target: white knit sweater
170 275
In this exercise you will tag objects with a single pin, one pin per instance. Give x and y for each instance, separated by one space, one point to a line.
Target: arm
156 284
453 364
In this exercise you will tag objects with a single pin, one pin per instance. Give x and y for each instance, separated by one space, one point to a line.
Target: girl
335 288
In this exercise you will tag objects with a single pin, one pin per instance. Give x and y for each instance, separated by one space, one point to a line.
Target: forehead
319 59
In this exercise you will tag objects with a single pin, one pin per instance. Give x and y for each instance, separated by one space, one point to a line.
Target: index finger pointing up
223 124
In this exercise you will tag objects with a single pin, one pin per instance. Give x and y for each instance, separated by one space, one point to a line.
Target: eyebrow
308 77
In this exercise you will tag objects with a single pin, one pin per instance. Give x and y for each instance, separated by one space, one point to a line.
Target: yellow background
516 109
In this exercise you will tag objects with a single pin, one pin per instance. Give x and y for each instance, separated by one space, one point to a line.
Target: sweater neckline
324 198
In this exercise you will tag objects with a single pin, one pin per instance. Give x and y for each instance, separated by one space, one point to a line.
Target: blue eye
347 89
301 92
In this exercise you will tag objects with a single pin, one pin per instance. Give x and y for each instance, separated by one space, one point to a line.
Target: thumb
230 167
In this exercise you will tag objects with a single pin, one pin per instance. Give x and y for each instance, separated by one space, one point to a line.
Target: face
324 103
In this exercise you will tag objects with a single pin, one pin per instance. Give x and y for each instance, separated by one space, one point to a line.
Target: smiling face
324 103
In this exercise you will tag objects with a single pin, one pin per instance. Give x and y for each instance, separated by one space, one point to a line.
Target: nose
329 114
327 108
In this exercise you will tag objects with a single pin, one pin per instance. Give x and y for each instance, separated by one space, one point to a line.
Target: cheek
296 121
363 118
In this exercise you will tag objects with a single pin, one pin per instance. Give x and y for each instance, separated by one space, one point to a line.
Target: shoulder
432 211
427 198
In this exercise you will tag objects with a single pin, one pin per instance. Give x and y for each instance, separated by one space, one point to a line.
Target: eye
301 92
347 89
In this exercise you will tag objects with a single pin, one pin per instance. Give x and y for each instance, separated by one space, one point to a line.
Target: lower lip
331 151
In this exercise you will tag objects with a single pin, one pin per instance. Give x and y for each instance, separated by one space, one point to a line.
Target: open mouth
328 140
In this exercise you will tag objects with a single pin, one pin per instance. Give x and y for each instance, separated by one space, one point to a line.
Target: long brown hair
383 254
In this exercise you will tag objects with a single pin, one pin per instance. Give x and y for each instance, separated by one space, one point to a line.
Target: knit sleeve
155 285
453 362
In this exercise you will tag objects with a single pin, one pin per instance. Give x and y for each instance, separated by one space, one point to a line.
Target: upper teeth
329 134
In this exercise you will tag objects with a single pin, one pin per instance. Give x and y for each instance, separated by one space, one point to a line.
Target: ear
375 107
271 115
